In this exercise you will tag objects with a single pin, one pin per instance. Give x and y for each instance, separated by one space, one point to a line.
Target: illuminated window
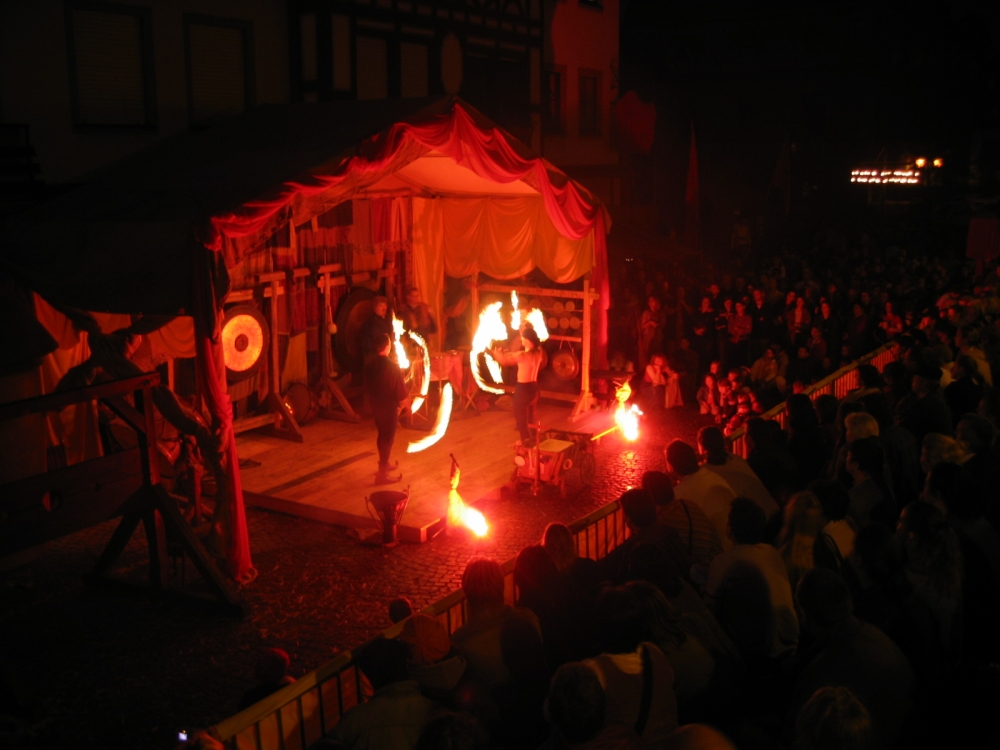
111 65
553 112
590 102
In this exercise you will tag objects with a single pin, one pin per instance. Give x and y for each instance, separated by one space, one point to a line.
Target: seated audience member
734 470
728 401
478 640
708 397
577 708
429 657
271 674
834 500
852 654
802 543
870 499
834 719
746 529
580 573
640 516
654 384
697 534
637 678
700 486
396 714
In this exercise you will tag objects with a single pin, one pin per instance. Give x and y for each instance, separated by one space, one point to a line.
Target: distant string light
886 176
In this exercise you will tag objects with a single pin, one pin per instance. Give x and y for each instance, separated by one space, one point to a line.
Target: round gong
565 364
352 313
244 341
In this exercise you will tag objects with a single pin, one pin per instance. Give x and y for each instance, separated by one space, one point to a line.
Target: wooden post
326 282
284 424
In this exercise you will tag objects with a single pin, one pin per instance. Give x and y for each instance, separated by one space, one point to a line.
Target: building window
220 68
372 67
111 65
555 81
590 102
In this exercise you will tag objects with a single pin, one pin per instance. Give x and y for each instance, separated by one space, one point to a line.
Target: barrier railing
301 713
838 384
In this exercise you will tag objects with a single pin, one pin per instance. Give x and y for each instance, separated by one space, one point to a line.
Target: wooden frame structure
585 400
127 484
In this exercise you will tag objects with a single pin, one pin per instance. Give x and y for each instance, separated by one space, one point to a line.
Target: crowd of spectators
741 340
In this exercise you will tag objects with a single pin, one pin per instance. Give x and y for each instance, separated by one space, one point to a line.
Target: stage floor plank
328 476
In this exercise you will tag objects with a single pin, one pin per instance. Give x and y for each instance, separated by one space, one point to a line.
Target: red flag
692 208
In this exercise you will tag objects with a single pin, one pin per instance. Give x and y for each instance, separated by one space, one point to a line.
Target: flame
440 424
537 319
460 514
425 383
397 329
627 419
491 328
515 317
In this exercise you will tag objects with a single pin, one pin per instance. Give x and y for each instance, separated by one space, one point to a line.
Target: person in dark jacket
386 391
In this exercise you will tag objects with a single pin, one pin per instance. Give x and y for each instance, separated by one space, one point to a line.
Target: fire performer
529 362
386 392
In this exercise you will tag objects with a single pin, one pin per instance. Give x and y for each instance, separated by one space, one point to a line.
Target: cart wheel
588 468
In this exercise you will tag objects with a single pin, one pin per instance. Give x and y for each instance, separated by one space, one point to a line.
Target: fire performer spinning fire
387 391
529 362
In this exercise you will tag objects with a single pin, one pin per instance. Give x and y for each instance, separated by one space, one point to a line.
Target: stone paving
103 670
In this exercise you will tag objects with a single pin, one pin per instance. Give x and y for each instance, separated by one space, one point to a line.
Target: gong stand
325 284
585 400
279 421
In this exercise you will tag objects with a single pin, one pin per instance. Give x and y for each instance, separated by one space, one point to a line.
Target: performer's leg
386 424
522 400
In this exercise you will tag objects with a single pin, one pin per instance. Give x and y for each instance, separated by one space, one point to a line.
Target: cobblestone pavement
110 671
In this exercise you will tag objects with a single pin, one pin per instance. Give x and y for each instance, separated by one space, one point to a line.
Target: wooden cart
555 454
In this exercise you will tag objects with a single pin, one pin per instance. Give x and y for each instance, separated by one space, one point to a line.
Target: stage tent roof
126 240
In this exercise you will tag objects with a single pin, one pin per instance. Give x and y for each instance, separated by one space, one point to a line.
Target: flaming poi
491 328
515 317
460 514
426 381
397 331
627 418
440 424
537 319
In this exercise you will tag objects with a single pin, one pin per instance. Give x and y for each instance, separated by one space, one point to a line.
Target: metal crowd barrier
301 713
838 384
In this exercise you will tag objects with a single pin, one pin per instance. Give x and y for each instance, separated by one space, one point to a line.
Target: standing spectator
701 486
739 329
798 320
851 654
699 537
802 543
577 706
746 530
871 499
722 315
834 719
928 411
650 330
703 331
395 715
965 391
805 440
830 325
762 328
856 332
735 470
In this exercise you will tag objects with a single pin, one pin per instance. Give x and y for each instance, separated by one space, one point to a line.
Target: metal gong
244 341
565 364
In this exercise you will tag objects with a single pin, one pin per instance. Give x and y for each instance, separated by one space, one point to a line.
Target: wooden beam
62 399
538 291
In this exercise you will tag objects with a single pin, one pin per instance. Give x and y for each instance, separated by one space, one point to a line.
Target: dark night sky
841 82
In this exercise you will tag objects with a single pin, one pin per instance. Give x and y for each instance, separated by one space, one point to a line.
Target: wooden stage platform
328 476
